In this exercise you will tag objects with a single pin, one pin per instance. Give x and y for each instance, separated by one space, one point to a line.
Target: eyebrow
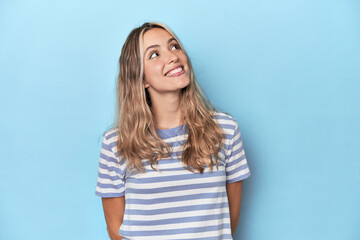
154 46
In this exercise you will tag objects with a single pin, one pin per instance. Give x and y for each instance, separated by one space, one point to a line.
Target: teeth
179 69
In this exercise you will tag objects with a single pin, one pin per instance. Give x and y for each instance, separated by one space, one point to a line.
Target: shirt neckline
171 132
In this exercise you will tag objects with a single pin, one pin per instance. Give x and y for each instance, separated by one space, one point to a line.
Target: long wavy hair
135 123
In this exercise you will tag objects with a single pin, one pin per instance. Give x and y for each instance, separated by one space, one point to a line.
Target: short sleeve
110 181
236 164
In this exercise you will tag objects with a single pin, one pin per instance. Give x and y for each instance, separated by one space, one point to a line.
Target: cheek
158 68
183 58
152 71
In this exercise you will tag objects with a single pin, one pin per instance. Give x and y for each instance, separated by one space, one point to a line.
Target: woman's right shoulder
109 145
111 134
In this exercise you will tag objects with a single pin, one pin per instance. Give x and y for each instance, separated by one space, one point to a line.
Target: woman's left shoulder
224 119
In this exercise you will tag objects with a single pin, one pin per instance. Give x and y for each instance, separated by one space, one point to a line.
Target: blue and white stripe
174 203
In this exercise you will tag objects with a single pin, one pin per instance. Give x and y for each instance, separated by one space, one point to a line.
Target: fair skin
166 72
114 211
234 191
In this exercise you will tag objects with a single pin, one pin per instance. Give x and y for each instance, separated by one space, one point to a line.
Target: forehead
156 36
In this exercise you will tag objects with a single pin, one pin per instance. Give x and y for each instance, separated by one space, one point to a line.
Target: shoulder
110 138
110 149
227 122
111 134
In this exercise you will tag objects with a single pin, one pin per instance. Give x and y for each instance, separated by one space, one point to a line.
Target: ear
146 84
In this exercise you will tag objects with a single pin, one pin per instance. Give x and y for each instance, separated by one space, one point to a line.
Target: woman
159 156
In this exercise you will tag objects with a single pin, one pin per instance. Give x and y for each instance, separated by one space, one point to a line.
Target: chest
172 176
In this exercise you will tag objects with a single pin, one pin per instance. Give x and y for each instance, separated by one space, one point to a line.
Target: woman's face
165 64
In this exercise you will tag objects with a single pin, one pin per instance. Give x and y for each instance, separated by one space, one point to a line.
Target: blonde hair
135 123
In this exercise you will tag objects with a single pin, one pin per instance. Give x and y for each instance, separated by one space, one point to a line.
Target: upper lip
174 68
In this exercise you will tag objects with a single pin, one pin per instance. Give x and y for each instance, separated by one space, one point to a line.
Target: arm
114 212
234 197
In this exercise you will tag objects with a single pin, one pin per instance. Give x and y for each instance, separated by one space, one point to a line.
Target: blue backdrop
288 71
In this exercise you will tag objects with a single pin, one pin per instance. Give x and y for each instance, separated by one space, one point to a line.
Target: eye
175 47
154 54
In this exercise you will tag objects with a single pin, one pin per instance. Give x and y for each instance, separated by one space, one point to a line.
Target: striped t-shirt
174 203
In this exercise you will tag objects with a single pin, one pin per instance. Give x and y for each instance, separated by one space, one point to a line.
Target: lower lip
177 74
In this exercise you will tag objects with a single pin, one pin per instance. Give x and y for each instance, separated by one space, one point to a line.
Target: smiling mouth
175 72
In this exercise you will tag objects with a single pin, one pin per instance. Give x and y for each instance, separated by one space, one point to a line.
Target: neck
166 110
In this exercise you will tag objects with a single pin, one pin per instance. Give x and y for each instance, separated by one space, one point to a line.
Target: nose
172 57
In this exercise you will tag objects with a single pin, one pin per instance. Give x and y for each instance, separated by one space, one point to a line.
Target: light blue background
288 71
